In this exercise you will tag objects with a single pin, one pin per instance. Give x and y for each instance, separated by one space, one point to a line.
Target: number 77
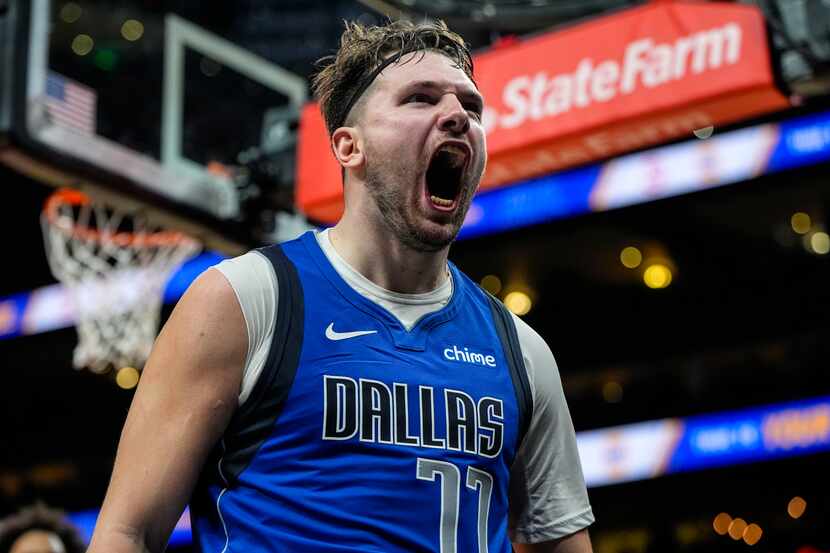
428 469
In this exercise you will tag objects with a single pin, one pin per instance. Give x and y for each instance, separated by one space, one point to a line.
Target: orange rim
69 196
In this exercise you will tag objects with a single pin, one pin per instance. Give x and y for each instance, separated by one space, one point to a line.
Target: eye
474 110
420 98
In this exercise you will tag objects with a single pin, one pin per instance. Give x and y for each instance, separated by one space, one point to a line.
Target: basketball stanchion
114 266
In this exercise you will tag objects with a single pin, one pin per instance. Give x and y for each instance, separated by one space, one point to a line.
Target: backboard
137 103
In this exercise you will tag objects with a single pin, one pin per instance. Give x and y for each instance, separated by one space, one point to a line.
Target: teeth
440 201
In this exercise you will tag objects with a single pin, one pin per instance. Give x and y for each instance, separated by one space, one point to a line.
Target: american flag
70 104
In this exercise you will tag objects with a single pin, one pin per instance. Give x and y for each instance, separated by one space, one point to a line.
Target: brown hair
364 51
40 517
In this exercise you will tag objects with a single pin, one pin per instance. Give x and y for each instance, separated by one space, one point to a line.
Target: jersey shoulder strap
506 329
254 420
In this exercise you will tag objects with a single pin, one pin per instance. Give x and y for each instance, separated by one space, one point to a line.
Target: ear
348 147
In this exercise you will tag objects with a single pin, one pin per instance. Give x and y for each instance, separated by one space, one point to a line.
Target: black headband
365 82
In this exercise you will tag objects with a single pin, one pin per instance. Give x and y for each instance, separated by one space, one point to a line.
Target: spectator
39 529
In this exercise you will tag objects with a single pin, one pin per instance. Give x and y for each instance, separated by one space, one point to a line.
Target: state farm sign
623 82
643 64
630 80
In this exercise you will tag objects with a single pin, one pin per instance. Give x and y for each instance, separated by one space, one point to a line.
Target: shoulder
253 281
541 366
254 284
531 341
206 328
535 349
248 271
209 292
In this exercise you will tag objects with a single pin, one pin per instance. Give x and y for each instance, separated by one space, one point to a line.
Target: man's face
424 148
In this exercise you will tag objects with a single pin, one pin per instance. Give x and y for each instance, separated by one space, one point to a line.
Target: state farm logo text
644 64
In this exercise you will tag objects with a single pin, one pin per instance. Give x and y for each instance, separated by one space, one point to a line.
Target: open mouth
444 175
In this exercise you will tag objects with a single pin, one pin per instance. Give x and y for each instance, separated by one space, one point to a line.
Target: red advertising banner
627 81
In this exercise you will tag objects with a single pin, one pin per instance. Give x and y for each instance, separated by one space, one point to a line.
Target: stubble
401 216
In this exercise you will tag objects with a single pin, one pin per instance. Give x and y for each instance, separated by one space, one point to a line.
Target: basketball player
351 390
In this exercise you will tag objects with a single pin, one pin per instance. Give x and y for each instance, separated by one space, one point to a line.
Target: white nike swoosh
331 334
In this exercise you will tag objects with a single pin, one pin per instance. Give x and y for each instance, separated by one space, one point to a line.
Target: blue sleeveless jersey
362 436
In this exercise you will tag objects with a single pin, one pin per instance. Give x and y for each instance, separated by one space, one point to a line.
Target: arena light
127 378
752 534
796 507
71 12
492 284
82 44
820 242
631 257
657 276
800 222
721 523
132 30
736 528
518 302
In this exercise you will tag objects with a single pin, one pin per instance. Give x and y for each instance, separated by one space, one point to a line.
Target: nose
454 118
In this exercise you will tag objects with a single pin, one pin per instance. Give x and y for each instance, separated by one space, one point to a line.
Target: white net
115 267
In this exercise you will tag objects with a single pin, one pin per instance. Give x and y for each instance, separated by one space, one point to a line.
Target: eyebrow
465 94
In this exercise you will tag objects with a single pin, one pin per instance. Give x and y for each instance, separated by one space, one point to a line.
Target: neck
379 256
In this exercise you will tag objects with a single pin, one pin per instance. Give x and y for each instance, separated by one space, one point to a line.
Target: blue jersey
361 435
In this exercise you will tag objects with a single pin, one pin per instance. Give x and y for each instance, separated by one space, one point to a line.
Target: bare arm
188 392
578 542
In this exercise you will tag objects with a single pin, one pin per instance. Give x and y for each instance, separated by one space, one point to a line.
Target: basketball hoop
114 266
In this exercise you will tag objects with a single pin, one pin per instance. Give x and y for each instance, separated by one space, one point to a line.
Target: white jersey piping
222 520
218 508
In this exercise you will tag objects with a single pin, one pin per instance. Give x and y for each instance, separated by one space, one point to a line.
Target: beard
404 218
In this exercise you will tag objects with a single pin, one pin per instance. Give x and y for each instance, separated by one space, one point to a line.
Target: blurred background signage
654 448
